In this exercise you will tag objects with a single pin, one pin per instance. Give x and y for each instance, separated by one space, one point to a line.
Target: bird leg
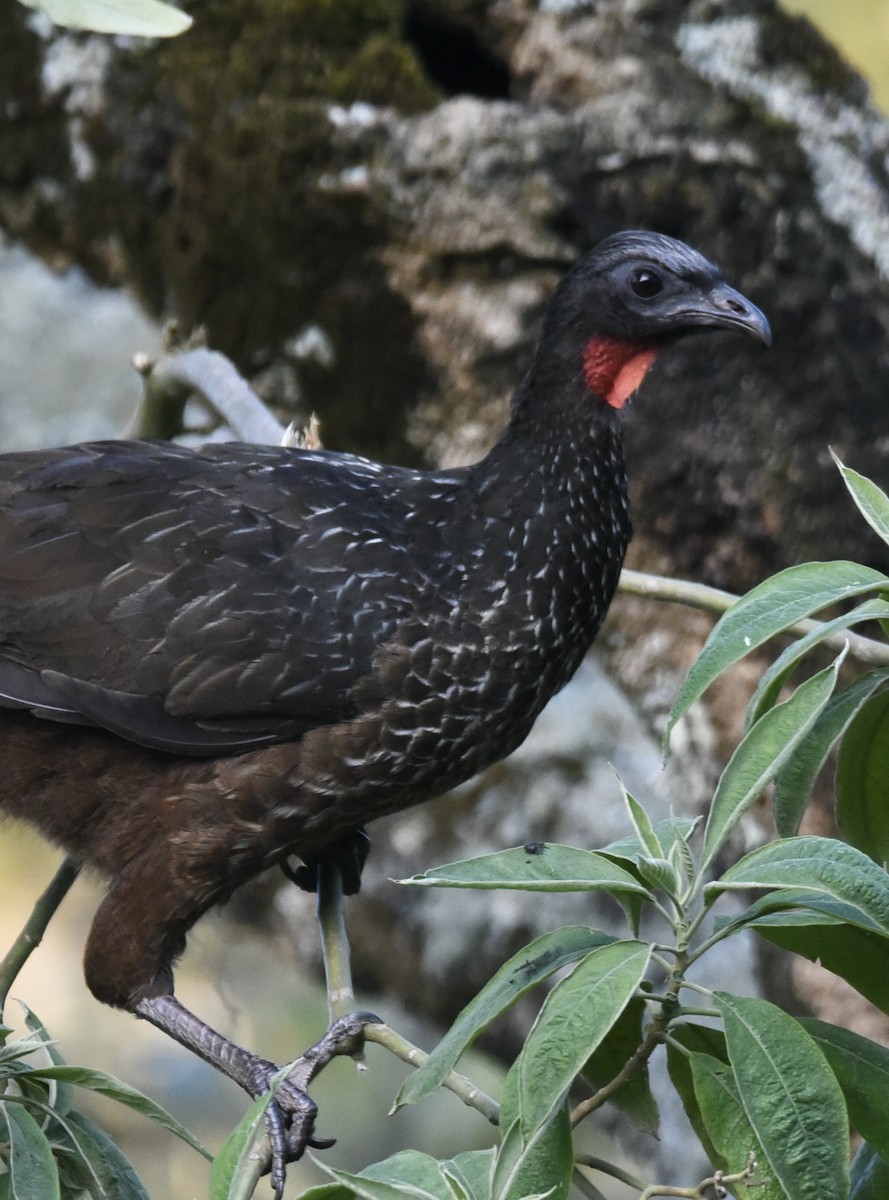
291 1114
349 855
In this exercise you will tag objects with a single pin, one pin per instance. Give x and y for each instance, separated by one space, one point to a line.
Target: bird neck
559 470
558 420
548 510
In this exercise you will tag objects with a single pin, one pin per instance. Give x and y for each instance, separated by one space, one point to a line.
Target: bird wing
204 602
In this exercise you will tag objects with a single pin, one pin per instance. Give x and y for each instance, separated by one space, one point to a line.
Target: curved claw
321 1143
279 1147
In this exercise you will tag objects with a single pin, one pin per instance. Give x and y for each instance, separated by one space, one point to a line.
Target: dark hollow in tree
214 659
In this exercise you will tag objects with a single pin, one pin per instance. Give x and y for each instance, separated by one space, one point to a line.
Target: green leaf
862 1071
729 1130
870 1175
32 1169
537 867
659 874
873 503
471 1171
861 779
109 1174
408 1173
539 1165
328 1191
791 1098
634 1098
668 833
767 610
686 1040
645 831
107 1085
138 18
859 957
761 754
795 780
231 1176
532 964
822 867
61 1094
774 677
575 1017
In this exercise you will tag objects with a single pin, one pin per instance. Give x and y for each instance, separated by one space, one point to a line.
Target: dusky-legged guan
214 659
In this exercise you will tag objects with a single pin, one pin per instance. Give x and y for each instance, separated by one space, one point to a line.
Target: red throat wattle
614 368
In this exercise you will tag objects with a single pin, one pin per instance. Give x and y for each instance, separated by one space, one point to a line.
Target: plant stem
714 600
635 1062
609 1168
718 1181
462 1087
169 382
35 927
334 941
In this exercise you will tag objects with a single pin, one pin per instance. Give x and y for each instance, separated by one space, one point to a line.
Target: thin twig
169 382
609 1168
585 1185
462 1087
334 941
35 927
714 600
719 1182
634 1063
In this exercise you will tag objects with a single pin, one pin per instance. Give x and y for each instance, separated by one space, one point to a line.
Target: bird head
631 296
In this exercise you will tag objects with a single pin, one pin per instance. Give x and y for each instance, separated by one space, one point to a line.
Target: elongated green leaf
540 1163
328 1191
62 1098
409 1173
231 1177
768 609
530 966
856 955
862 780
660 875
645 831
679 1067
870 1175
862 1070
575 1017
471 1172
537 1164
111 1174
139 18
32 1169
537 867
791 1098
107 1085
774 677
761 754
822 866
634 1098
729 1128
795 780
873 503
668 833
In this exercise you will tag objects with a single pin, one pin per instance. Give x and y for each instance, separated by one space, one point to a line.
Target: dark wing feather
204 602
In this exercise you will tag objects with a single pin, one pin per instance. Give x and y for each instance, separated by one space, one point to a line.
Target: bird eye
645 283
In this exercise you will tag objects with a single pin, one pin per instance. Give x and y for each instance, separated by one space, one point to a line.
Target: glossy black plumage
294 642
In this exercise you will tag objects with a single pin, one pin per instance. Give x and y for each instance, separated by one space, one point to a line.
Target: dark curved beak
724 308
